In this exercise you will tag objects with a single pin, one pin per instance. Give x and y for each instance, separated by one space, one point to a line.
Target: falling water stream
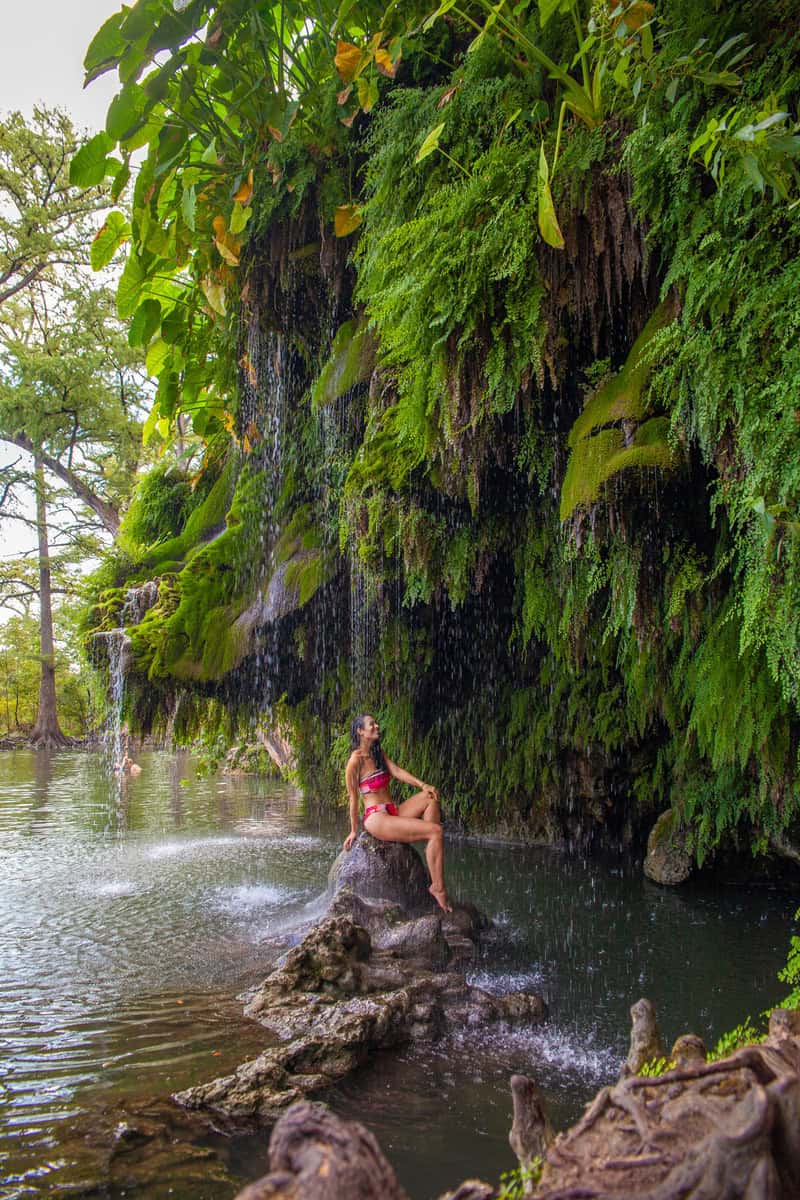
128 924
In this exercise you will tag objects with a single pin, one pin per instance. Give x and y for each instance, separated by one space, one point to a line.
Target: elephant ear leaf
548 221
430 144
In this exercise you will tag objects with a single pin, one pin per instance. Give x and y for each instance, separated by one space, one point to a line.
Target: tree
71 388
44 221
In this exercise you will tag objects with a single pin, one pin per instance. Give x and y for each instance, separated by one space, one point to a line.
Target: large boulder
382 871
668 859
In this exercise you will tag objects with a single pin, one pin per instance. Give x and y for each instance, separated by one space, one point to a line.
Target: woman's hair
375 750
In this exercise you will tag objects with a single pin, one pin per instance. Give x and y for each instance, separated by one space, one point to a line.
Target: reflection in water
127 931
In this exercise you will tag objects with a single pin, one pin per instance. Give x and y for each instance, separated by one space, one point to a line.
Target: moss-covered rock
668 860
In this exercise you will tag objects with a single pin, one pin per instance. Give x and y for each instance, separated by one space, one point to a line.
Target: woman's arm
351 778
405 777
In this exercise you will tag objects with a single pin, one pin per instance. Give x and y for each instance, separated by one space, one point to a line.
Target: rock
668 860
314 1155
329 959
688 1051
646 1044
376 870
531 1132
337 997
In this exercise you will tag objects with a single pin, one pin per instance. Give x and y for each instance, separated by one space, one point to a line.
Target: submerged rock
668 860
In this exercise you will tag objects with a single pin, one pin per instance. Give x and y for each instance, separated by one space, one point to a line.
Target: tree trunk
47 731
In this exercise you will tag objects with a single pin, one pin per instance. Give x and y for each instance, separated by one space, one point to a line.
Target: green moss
201 524
595 460
351 362
623 397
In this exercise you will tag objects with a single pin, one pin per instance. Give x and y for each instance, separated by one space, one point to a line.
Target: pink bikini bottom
391 809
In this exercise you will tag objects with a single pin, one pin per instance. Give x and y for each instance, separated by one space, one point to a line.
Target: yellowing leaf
638 13
150 425
430 144
548 221
347 218
215 294
347 60
245 191
220 226
239 218
367 92
229 250
383 61
344 95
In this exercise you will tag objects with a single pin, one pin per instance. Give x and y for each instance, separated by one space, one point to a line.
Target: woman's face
370 730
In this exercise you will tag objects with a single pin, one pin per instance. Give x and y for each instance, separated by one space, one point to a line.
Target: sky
41 57
42 46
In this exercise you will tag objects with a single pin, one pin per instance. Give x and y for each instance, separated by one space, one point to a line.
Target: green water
130 920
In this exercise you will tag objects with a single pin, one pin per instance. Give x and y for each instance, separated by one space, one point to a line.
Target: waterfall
363 627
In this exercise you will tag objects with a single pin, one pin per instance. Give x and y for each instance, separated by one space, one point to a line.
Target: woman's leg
411 829
421 805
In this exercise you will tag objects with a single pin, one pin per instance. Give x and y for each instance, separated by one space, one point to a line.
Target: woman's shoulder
353 761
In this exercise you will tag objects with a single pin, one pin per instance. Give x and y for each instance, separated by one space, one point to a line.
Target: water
128 923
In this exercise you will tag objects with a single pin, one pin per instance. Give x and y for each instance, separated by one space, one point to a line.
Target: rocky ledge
379 970
724 1130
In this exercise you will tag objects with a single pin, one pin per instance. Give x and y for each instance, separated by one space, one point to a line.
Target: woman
417 819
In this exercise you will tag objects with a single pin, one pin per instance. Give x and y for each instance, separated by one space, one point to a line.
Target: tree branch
105 511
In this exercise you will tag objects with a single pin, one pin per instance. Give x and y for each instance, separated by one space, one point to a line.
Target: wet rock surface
727 1130
372 974
382 871
668 861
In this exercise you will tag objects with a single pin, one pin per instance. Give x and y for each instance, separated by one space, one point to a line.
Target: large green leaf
430 144
145 323
105 48
548 221
114 232
126 110
88 167
130 286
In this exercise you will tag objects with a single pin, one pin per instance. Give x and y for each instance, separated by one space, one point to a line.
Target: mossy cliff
513 461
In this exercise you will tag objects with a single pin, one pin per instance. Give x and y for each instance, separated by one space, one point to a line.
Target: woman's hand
431 791
348 841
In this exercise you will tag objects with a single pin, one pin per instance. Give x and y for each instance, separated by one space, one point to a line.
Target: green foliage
656 631
656 1067
791 972
515 1185
745 1034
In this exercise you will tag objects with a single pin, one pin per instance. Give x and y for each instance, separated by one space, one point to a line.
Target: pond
130 919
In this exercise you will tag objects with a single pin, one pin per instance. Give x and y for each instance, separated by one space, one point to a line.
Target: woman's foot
441 898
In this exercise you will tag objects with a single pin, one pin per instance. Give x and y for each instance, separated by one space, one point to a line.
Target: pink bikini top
374 782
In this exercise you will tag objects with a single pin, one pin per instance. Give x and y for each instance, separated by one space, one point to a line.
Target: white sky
42 46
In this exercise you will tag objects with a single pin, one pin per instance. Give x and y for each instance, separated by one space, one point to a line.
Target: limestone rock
382 871
667 861
336 997
646 1044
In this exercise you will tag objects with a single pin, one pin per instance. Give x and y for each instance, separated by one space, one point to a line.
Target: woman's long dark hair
375 750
